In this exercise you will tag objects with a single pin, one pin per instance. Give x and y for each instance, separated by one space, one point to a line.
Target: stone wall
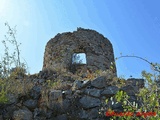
98 50
81 100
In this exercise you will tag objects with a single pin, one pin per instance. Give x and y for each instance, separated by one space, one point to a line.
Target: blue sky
132 26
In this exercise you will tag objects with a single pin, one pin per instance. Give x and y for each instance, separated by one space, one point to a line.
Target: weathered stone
35 92
109 91
89 102
39 114
130 90
36 112
55 95
135 82
47 74
56 107
40 118
22 114
76 85
43 74
93 113
79 84
92 92
1 118
38 81
78 92
31 104
117 107
60 49
99 82
67 92
88 114
55 100
83 114
65 105
7 113
49 114
12 99
61 117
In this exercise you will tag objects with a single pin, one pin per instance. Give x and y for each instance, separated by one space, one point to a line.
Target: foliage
148 96
12 70
3 92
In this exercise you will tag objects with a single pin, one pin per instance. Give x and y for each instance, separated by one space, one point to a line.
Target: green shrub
149 96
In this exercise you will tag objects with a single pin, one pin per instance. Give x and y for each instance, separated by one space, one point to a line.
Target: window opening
79 58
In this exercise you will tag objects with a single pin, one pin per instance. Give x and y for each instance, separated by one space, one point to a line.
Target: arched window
79 58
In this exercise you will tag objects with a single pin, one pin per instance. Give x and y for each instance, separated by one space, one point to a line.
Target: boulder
99 82
39 114
130 90
12 99
55 100
93 92
135 82
7 112
93 113
79 84
61 117
22 114
31 104
89 114
38 81
83 114
66 105
35 92
55 95
110 91
89 102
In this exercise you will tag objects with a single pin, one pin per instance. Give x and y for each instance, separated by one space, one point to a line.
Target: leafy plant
148 97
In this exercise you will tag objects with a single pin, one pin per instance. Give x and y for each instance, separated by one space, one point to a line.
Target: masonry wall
80 100
98 50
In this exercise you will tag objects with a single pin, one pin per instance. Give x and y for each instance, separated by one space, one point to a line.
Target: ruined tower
79 51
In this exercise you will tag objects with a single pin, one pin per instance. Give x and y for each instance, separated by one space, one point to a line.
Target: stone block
109 91
55 95
89 102
22 114
99 82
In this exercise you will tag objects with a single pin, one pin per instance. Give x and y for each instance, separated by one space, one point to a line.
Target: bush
149 97
12 70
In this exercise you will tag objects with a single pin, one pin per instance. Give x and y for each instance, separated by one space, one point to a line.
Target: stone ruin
61 50
76 99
